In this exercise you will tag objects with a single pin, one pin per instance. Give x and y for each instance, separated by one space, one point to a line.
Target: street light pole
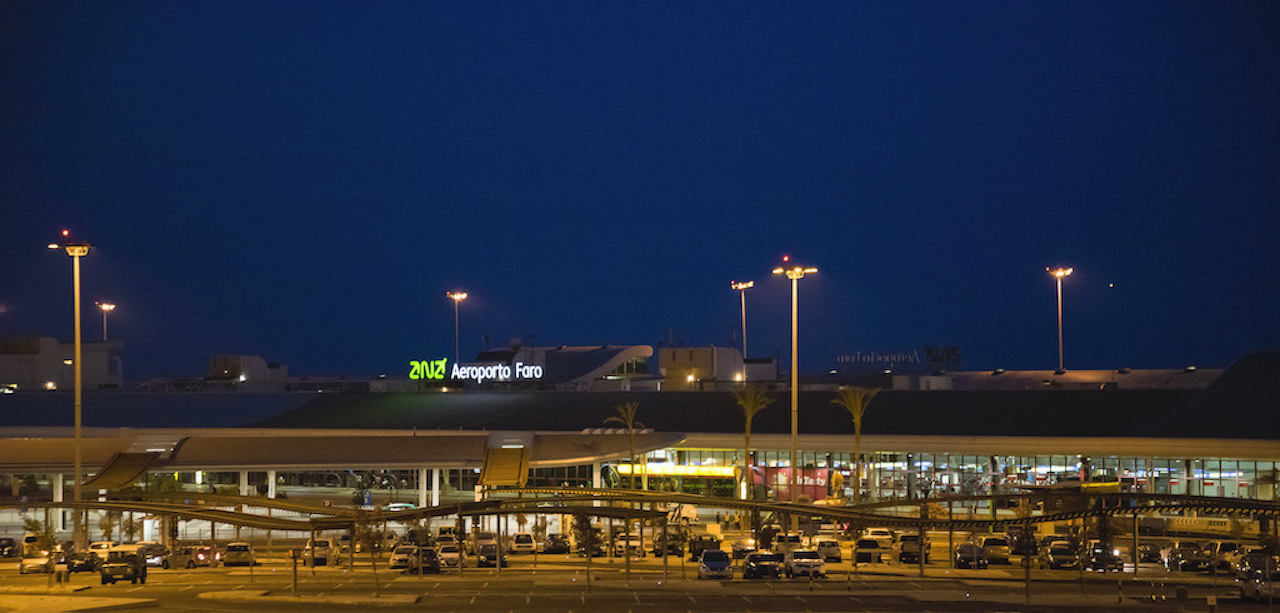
106 307
1059 273
457 297
743 287
76 251
795 274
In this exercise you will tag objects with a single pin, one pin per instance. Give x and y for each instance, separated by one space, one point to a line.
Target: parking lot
563 582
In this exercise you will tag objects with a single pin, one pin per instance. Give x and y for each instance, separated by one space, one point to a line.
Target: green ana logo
427 369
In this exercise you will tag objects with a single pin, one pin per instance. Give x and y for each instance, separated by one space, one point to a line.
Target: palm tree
855 400
626 417
752 401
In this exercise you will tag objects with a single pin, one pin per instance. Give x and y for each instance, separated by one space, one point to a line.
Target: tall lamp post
743 287
457 297
794 273
76 250
1059 273
106 307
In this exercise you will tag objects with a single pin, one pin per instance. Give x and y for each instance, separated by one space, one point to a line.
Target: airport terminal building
434 435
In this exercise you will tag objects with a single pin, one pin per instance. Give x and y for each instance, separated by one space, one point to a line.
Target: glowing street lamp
1059 273
457 297
743 287
76 250
106 307
794 273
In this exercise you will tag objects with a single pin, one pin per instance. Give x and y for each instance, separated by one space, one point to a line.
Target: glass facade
911 475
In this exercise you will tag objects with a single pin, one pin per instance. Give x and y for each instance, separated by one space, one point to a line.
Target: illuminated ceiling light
50 385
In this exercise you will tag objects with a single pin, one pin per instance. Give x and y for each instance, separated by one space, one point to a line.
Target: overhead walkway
122 471
505 467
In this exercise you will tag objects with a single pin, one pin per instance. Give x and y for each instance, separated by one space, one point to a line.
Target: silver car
805 563
239 554
829 549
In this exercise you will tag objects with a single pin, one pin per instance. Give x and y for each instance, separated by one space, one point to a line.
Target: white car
627 543
319 552
787 543
404 556
883 537
523 542
451 556
100 548
805 563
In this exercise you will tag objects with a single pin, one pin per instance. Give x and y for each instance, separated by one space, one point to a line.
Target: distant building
43 363
700 368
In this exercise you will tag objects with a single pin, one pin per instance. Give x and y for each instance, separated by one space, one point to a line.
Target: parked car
404 556
123 563
804 563
995 546
909 549
867 551
970 555
829 549
762 566
430 563
1258 576
451 556
1059 554
674 543
1149 552
715 563
1189 555
1227 553
80 561
1101 557
556 543
480 539
320 552
598 549
239 554
627 543
191 556
883 537
37 561
787 543
741 548
100 548
154 554
30 542
488 555
700 543
522 542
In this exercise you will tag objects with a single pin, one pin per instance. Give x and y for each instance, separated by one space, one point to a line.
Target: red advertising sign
811 482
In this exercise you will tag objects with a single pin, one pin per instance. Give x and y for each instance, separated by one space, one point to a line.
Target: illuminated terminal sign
437 369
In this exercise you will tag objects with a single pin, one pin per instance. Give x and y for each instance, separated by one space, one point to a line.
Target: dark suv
124 565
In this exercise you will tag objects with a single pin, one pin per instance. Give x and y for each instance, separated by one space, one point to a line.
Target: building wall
43 363
695 368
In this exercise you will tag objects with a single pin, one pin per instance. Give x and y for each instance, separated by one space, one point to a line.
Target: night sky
305 181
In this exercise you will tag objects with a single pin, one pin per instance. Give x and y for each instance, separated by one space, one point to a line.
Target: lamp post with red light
77 250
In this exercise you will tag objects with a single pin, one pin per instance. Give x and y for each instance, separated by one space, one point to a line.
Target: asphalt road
559 583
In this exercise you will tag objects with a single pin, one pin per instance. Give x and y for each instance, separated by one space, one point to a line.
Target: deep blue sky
306 181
